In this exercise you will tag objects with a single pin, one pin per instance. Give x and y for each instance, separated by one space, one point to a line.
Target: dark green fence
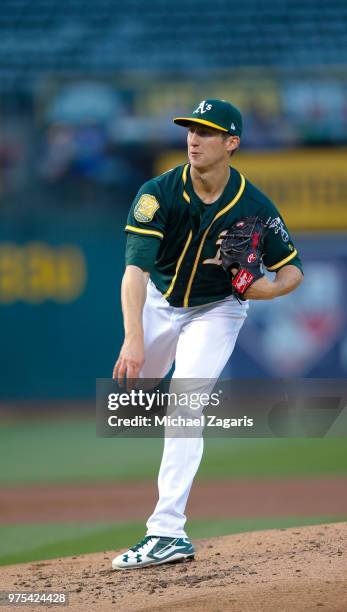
60 312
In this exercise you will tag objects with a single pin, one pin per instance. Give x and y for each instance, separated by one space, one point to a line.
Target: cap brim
185 121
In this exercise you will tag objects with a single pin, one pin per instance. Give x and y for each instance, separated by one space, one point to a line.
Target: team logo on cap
203 108
145 208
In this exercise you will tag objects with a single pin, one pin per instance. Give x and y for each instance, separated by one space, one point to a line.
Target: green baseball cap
218 114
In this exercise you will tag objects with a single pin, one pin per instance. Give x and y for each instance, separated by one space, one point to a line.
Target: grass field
24 543
68 451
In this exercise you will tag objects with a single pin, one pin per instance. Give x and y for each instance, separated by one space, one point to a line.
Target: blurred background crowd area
88 90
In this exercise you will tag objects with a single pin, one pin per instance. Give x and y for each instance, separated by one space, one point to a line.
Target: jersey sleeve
147 215
141 251
279 249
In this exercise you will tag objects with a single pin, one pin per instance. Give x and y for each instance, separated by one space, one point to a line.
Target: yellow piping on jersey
218 215
178 265
284 261
184 179
139 230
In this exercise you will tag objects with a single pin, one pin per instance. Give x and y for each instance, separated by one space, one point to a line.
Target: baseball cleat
154 550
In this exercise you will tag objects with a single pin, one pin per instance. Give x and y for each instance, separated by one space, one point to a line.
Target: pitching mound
299 569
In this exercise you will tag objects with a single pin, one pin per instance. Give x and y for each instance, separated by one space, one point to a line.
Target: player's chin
197 160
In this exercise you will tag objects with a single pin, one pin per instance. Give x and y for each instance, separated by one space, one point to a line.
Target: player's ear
232 143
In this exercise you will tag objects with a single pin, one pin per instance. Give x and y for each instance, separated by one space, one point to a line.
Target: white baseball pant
200 340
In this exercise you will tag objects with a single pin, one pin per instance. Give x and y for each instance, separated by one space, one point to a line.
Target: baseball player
183 303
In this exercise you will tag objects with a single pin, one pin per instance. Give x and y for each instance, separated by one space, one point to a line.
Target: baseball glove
241 252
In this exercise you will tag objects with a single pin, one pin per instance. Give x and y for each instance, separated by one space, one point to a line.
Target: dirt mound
283 570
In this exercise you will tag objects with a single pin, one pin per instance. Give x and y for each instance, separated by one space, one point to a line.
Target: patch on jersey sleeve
145 208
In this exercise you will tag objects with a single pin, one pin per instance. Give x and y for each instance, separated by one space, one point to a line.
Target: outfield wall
60 314
59 304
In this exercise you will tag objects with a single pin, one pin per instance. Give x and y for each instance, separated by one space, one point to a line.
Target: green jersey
175 236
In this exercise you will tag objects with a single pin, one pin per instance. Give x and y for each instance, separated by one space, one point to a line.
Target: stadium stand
87 37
